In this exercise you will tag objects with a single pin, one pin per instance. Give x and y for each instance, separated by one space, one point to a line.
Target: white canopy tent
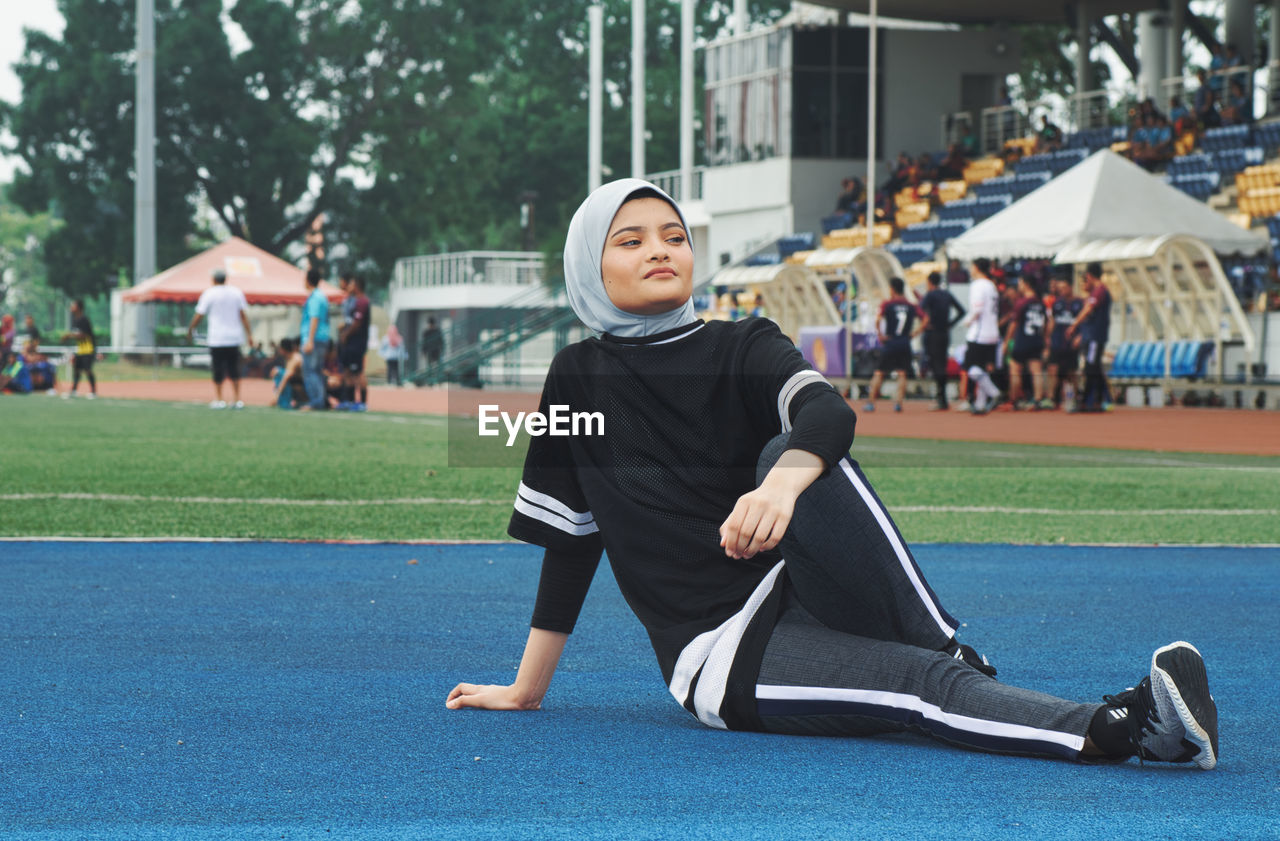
1104 197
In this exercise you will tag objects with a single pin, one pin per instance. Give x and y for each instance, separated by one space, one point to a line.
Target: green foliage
24 284
1048 62
413 125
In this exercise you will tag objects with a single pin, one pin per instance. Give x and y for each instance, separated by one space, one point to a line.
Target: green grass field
112 468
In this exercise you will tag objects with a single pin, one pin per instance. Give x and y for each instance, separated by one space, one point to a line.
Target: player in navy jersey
1063 353
1026 333
776 591
1093 326
899 322
938 304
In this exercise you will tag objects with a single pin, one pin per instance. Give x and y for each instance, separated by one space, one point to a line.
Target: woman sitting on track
723 454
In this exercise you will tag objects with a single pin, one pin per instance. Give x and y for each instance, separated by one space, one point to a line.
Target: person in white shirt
983 335
227 310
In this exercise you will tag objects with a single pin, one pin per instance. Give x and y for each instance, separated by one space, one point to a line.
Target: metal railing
506 268
1262 88
672 180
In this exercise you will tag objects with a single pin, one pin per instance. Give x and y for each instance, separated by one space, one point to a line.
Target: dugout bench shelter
1169 290
796 295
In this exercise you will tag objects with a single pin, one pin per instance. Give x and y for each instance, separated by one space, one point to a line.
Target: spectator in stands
1026 335
968 139
315 340
899 322
228 313
938 304
1232 60
1049 138
926 173
1063 354
900 176
1216 65
1206 103
951 167
1093 326
1236 109
983 336
1180 116
850 199
432 342
392 351
288 377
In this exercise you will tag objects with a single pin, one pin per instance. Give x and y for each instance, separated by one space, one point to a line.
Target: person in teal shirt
315 341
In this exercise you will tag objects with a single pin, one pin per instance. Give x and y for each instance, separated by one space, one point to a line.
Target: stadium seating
857 237
1200 185
1145 360
767 259
789 245
910 253
1231 161
836 222
1267 136
1224 138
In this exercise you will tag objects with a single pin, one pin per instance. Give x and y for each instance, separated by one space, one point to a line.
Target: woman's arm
541 656
760 518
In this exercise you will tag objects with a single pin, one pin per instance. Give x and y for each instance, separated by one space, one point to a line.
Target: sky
44 15
27 14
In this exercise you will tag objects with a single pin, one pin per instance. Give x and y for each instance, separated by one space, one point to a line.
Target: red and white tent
263 277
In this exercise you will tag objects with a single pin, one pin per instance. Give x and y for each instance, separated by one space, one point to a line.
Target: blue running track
296 691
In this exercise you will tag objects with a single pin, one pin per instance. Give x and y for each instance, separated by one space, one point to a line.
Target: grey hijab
583 250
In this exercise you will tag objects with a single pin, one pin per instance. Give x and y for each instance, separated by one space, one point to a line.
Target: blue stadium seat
1231 161
959 209
1224 138
1122 362
909 253
1267 135
1152 365
1001 184
1182 358
796 242
1192 164
769 259
925 231
836 222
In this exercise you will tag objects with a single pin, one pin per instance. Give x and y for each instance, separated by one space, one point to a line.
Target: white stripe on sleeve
553 512
791 388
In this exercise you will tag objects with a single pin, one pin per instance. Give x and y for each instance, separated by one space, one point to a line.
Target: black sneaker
1170 715
966 653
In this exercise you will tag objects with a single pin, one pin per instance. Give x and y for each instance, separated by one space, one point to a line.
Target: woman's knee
770 454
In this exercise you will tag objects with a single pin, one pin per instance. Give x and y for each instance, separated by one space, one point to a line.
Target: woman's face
647 263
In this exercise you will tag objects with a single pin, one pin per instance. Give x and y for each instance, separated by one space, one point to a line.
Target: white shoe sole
1178 676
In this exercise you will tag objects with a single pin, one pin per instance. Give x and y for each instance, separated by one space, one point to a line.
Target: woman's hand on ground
488 697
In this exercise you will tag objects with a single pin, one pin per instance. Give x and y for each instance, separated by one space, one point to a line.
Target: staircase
521 319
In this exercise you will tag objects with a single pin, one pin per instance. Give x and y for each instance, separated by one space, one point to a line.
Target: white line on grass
1089 512
213 500
905 509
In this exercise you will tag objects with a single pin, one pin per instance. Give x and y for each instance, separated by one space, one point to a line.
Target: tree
23 281
412 125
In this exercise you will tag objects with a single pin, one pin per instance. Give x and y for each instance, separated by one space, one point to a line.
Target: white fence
500 268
